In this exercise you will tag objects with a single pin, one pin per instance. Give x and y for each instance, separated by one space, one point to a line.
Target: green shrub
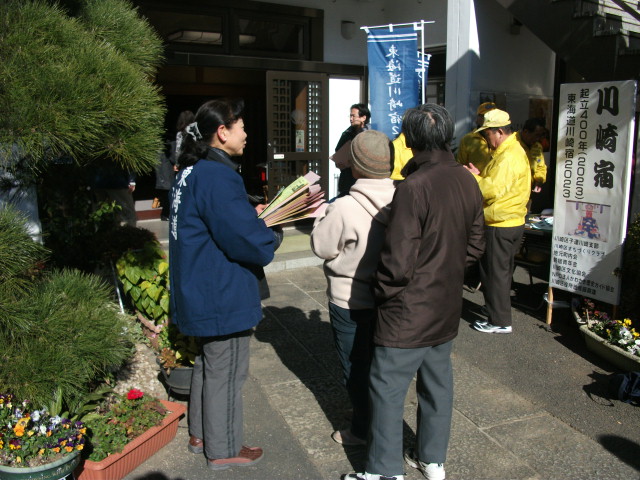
19 254
629 299
70 334
144 274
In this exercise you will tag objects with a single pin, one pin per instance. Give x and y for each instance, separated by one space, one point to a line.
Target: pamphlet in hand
302 198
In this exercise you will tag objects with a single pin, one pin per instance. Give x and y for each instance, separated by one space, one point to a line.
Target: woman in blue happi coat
217 248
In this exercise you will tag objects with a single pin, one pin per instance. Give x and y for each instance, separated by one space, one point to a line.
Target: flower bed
617 341
613 354
619 333
32 438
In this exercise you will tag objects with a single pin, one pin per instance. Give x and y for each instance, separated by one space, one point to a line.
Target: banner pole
395 25
422 52
549 305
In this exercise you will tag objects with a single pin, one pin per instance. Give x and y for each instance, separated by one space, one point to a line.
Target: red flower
134 393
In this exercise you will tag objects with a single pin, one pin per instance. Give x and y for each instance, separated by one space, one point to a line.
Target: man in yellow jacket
473 147
505 183
529 137
401 156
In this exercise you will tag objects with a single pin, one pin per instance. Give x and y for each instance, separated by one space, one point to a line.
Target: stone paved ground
531 405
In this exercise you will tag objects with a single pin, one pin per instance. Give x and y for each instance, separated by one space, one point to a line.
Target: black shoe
164 218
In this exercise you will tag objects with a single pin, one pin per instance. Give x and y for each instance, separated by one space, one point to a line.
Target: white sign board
595 135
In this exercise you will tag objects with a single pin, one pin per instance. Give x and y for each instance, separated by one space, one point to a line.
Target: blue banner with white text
393 76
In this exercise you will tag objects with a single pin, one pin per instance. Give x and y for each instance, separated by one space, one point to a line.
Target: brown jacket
436 229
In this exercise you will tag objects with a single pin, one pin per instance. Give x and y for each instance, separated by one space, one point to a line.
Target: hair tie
192 129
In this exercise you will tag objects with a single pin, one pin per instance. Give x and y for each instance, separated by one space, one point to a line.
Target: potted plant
144 273
615 340
176 358
35 444
124 432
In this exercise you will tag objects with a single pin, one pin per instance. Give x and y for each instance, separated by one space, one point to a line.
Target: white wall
343 92
407 11
336 48
514 68
369 13
482 55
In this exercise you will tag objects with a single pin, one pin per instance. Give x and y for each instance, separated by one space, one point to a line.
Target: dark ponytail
184 119
198 135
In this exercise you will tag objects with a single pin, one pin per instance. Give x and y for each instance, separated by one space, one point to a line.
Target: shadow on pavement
471 312
599 390
624 449
304 344
155 476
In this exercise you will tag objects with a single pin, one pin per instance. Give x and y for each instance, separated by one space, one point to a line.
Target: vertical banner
393 76
593 173
423 75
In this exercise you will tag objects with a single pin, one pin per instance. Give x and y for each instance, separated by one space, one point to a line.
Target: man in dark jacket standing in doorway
359 117
435 231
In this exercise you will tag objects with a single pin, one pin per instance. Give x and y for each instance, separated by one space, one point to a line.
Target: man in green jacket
505 183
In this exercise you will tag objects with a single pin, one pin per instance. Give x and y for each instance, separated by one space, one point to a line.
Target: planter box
118 465
613 354
57 470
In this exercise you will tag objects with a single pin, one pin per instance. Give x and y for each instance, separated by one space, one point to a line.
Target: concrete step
294 252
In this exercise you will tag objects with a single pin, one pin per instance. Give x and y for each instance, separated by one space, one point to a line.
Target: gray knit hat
371 154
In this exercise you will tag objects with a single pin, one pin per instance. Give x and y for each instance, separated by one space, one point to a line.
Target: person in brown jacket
435 230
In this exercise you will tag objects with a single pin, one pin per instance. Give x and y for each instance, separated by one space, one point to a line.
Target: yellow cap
485 107
495 118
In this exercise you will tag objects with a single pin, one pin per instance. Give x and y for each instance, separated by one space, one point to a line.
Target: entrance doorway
297 127
286 119
187 87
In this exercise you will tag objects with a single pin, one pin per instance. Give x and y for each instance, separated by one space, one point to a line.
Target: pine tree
60 331
78 87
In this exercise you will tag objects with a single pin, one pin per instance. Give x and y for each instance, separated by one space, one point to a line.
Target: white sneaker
370 476
431 471
491 328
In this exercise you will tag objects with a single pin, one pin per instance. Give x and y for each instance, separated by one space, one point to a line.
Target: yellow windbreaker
473 148
536 161
401 155
505 184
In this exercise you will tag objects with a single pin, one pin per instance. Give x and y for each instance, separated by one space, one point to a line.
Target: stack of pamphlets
302 198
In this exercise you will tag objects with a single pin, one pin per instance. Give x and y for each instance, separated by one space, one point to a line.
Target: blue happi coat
216 243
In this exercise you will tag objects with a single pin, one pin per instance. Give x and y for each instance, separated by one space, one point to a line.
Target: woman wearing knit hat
349 238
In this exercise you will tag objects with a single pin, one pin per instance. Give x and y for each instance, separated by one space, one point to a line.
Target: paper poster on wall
299 140
593 172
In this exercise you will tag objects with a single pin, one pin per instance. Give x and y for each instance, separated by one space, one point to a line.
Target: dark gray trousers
496 271
392 370
215 402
